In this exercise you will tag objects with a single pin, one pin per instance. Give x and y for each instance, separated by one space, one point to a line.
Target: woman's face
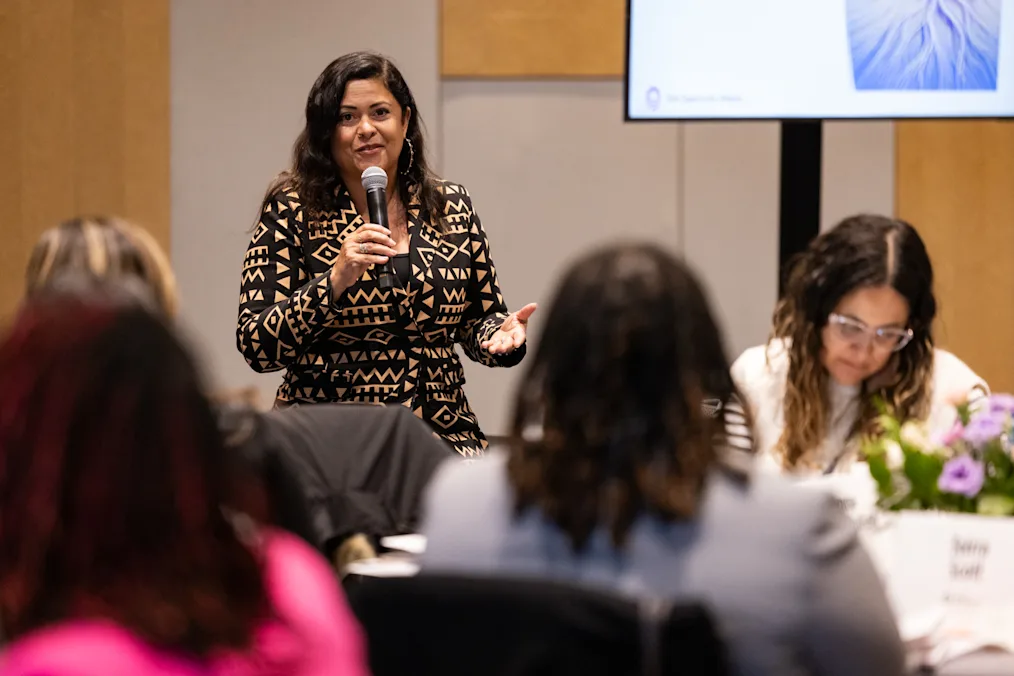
862 333
371 130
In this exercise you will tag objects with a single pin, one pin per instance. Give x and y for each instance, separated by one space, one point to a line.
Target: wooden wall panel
84 120
955 183
146 130
532 38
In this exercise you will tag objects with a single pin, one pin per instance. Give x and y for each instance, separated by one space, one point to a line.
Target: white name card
954 560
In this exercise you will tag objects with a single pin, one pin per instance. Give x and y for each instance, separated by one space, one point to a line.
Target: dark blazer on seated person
333 470
780 566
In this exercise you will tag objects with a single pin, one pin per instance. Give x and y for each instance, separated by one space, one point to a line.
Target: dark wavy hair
861 251
629 352
314 172
112 482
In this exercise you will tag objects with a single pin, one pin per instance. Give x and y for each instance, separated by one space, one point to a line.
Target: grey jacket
781 566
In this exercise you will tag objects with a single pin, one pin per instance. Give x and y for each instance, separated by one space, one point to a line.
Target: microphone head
374 178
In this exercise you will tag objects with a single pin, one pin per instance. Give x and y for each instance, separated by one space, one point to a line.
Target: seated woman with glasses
855 325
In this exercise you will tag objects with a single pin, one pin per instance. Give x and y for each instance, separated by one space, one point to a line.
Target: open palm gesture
512 333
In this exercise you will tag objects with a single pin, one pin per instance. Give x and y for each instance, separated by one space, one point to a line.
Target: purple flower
984 427
962 475
1001 403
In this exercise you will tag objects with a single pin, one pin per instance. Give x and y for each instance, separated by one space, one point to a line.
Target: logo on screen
653 97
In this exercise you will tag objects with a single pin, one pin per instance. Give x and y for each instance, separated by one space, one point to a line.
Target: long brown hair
861 251
314 172
629 353
112 481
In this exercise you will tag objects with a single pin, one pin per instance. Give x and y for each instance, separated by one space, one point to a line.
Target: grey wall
731 195
858 171
553 172
551 166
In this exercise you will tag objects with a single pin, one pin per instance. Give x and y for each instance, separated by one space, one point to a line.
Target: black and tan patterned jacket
370 345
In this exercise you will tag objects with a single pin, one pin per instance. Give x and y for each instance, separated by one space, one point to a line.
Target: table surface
985 663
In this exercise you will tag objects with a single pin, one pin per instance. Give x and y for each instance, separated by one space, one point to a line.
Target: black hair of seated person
248 493
110 452
625 426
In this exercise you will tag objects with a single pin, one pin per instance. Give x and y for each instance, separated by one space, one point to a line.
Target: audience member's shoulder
467 504
795 508
84 648
760 364
766 487
307 599
459 475
284 551
461 491
953 379
299 581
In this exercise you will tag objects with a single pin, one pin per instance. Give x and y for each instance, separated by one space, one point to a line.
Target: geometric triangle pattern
372 345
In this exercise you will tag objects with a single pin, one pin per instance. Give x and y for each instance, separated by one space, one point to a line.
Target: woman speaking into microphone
313 299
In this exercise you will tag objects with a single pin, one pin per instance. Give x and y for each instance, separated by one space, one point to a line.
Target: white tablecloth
979 664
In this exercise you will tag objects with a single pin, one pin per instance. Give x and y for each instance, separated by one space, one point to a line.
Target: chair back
453 625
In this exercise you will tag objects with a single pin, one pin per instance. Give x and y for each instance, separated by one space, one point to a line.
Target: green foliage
967 470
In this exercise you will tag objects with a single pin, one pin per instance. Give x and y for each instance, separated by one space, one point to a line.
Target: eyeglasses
853 331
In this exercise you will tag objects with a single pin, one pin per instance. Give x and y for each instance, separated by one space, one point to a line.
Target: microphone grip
376 201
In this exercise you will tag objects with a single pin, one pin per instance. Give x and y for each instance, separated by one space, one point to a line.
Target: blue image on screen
924 44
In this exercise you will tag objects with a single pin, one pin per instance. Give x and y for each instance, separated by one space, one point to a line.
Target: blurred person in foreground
126 543
617 477
340 476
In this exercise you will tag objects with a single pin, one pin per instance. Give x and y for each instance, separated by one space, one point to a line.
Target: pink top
316 633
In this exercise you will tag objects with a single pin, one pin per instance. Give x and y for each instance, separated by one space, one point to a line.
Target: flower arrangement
967 469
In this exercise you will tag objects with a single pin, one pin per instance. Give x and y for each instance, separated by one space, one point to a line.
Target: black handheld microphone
375 184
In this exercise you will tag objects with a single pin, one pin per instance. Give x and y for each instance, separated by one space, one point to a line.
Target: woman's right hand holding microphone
369 245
